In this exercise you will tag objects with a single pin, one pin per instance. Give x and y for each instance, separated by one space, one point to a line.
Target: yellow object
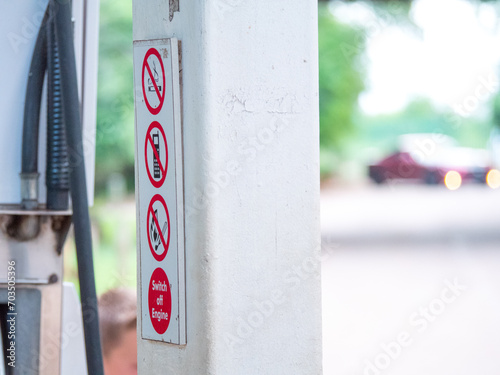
452 180
493 178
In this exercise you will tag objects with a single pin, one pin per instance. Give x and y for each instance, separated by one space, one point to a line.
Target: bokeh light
452 180
493 179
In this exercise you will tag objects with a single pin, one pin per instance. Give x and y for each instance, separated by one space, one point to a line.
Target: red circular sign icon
158 227
159 301
156 154
153 81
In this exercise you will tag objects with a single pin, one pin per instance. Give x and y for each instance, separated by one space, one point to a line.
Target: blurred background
410 210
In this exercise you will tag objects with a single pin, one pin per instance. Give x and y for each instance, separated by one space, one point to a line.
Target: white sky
453 51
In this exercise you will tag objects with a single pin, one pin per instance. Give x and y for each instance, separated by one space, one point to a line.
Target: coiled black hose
57 173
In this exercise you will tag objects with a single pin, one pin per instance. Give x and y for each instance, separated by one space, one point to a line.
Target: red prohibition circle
162 255
145 66
149 140
159 301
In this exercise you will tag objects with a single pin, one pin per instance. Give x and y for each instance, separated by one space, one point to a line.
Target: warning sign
158 227
156 154
160 301
153 81
160 191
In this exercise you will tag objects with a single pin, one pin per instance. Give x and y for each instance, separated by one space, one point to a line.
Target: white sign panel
160 202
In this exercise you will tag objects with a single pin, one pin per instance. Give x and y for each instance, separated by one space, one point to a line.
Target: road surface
411 280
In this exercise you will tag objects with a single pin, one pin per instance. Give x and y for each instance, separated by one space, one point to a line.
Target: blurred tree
420 116
496 111
340 78
115 105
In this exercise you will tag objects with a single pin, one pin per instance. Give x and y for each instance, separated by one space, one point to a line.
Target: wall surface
251 159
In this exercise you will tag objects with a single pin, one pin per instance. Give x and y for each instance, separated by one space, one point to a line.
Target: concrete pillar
251 175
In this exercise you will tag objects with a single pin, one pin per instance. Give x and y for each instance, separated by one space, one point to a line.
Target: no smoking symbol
156 154
153 81
158 227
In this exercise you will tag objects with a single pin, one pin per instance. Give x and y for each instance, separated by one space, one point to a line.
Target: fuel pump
48 81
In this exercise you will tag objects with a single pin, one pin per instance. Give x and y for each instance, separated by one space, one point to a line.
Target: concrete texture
251 158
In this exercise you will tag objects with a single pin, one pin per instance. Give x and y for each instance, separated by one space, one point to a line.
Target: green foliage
340 81
420 116
496 111
115 106
114 245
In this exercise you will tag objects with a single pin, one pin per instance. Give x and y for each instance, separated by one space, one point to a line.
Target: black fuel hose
29 153
78 186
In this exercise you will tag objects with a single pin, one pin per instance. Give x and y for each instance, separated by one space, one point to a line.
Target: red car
432 159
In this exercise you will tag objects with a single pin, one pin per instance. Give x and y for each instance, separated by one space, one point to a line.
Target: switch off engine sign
160 191
159 300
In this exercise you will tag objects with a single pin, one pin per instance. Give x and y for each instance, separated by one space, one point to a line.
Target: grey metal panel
27 332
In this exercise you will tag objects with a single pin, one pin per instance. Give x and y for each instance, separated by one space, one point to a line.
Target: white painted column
251 159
